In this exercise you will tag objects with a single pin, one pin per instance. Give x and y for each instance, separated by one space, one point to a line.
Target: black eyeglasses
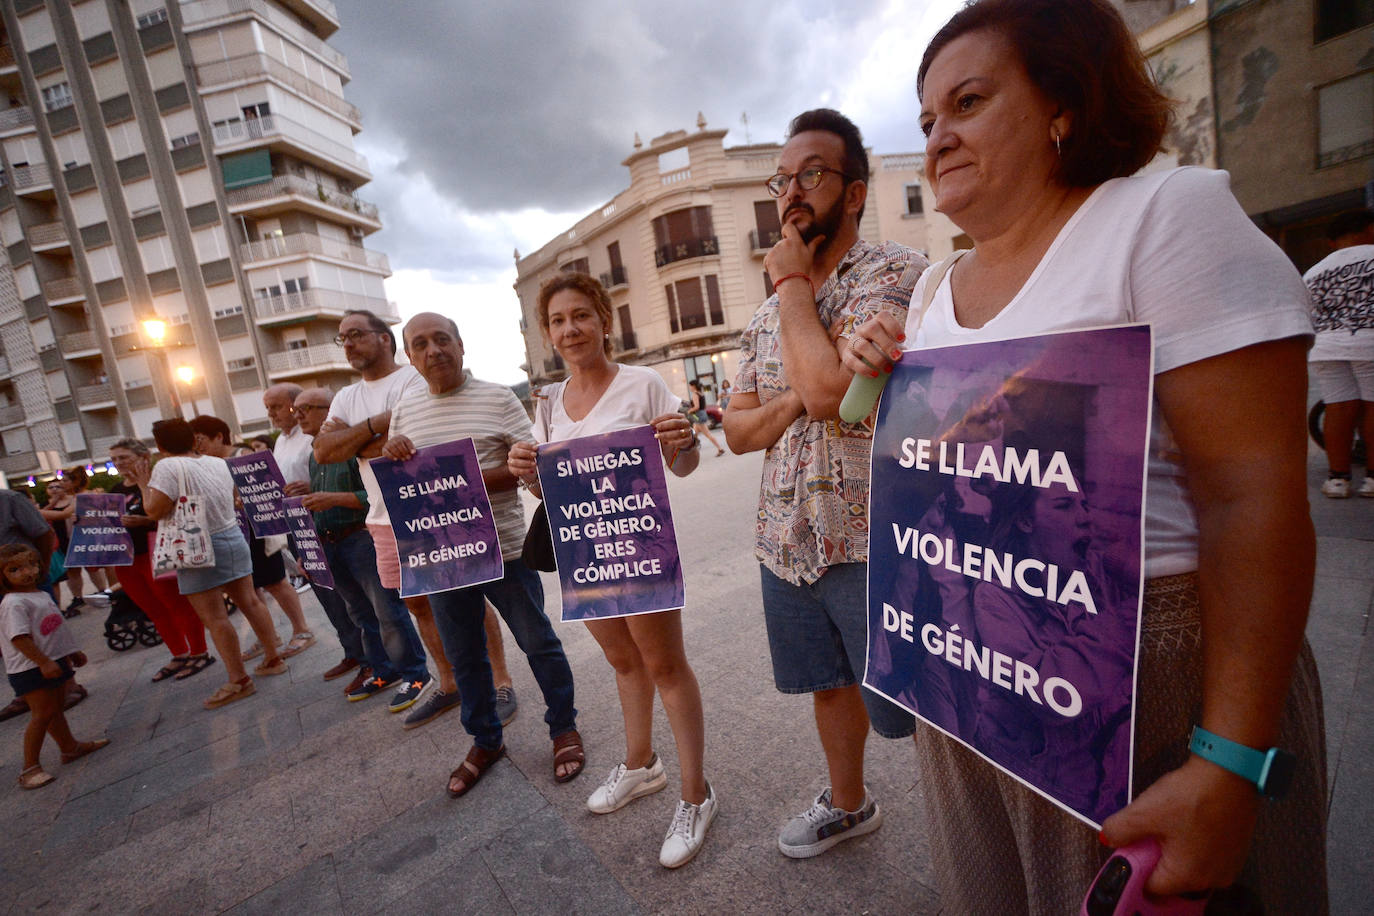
809 178
352 336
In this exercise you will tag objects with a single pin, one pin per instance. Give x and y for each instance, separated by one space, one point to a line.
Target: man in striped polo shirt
455 405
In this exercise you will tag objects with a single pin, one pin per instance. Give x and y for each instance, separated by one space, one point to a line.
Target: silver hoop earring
1058 149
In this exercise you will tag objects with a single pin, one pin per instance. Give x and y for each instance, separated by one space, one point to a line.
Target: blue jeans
519 597
391 646
350 637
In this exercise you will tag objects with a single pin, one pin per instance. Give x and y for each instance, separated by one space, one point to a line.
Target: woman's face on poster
1059 528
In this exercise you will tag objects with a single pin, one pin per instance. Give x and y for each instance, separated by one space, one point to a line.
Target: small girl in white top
646 650
39 654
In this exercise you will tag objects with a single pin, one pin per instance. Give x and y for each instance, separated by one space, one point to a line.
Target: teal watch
1271 771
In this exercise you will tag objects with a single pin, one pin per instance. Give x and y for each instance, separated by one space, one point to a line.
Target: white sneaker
1336 488
624 785
1367 488
687 831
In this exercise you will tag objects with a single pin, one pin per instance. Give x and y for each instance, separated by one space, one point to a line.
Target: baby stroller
127 624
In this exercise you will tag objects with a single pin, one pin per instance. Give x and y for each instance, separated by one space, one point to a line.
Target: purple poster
1005 553
260 485
309 552
445 533
98 537
607 502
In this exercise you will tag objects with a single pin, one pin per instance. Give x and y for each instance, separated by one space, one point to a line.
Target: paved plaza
296 800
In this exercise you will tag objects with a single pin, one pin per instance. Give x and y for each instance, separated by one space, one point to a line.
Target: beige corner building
681 251
184 162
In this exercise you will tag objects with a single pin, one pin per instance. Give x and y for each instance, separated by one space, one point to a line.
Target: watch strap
1264 768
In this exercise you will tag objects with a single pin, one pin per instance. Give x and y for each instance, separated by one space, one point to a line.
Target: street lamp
156 330
187 375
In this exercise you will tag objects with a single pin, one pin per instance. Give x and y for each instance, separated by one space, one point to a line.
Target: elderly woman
180 472
1036 114
176 621
646 650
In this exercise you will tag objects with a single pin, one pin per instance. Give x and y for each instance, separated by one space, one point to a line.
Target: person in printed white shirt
357 425
39 653
1342 356
646 650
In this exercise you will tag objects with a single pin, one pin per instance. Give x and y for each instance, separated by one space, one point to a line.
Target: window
768 229
231 310
713 299
1345 120
686 233
185 140
627 329
260 110
246 362
688 309
1336 17
299 344
153 18
57 97
294 285
914 206
580 266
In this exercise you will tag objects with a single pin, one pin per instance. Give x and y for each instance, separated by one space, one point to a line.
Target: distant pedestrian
696 412
1342 357
39 653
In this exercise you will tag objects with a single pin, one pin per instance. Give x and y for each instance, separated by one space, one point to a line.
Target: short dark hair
1083 57
376 323
1349 223
212 426
174 436
78 476
578 283
855 163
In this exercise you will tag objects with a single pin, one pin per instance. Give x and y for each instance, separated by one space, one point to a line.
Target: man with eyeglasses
357 425
812 541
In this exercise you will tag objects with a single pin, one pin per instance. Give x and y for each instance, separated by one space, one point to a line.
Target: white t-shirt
292 451
355 403
635 396
207 477
1173 249
33 613
1342 289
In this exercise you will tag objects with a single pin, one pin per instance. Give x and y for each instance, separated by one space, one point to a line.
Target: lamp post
186 375
156 329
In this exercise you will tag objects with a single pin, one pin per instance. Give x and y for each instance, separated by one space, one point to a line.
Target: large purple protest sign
98 537
260 485
309 552
445 532
1005 553
607 502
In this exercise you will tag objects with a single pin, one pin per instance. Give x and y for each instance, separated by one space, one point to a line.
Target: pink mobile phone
1119 888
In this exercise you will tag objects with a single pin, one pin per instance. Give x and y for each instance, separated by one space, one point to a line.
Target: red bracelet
793 276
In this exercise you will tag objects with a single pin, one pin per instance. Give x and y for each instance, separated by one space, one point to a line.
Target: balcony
63 289
291 192
18 463
48 237
252 66
16 119
95 397
306 143
687 248
195 13
761 240
614 277
296 308
319 358
31 178
308 243
77 343
11 415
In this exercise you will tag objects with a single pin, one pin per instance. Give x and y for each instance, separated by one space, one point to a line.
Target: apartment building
185 162
681 251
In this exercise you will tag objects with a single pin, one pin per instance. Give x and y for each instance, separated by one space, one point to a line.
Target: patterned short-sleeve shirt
813 499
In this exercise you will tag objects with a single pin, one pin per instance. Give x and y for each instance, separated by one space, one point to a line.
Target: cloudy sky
494 126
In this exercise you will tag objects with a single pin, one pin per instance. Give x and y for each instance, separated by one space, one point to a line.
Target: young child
39 654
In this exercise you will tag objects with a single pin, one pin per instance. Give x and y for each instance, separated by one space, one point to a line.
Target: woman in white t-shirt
646 650
181 472
1035 113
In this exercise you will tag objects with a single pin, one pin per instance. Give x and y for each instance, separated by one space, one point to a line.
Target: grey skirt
232 561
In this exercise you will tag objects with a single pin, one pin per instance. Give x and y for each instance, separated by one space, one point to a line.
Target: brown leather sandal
477 762
83 748
567 749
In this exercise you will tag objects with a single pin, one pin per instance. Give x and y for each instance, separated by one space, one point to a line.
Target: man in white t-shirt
292 448
357 425
1342 357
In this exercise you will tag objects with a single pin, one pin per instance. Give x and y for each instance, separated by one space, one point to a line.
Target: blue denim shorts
232 561
818 637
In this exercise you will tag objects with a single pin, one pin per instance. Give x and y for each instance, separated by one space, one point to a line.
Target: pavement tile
313 889
1349 864
542 867
467 887
87 813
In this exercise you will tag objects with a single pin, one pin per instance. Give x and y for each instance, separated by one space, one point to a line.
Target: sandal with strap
172 668
228 693
567 750
298 643
195 665
476 763
83 748
35 777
